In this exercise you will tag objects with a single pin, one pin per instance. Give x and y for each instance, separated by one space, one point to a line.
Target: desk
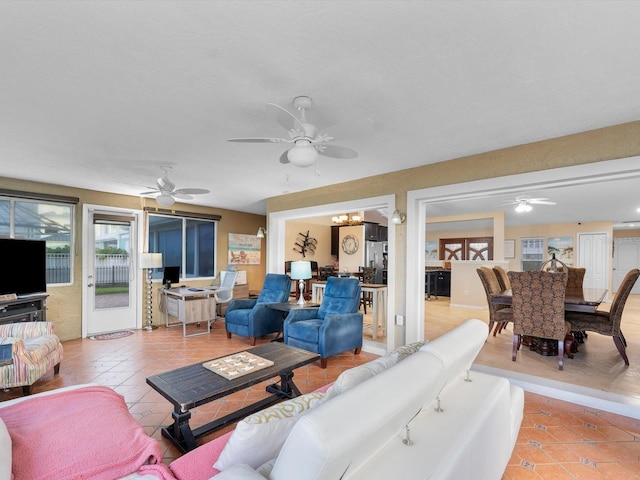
379 292
584 300
189 305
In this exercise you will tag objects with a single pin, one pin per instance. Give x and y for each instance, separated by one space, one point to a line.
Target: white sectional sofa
377 421
361 432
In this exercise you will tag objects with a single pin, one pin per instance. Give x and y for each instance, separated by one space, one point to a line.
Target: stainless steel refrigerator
376 256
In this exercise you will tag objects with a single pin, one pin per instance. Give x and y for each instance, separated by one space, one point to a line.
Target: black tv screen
25 270
171 274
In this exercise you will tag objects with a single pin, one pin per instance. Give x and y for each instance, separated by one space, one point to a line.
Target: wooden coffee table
195 385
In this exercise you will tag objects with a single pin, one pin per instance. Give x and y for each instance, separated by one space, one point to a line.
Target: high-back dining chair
608 323
501 275
499 315
368 276
538 308
576 277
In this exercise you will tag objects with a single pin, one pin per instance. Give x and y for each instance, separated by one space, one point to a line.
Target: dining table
585 300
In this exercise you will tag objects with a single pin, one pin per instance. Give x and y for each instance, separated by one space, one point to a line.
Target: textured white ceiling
100 94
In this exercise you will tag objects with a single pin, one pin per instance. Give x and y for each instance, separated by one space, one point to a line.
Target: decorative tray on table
237 365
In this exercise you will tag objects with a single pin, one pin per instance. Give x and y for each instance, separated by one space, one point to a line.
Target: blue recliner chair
250 317
332 328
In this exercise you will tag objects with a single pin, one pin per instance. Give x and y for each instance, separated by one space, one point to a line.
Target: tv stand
28 308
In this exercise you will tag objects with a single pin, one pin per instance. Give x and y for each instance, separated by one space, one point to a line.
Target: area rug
112 335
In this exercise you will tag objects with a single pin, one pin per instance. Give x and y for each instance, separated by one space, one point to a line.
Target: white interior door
111 279
626 255
593 249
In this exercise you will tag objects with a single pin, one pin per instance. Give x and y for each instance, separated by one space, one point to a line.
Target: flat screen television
171 275
28 272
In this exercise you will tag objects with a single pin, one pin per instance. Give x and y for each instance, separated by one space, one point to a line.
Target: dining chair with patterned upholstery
501 275
538 308
608 323
499 315
576 277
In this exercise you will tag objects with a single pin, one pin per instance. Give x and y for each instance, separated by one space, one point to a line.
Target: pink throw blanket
79 434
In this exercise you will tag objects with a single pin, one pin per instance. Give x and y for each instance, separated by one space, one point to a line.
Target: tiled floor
558 440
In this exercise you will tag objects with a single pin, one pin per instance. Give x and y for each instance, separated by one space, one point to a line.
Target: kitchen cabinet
437 283
371 231
335 241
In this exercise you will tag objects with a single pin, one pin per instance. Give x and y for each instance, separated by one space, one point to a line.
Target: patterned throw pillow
406 350
259 437
356 375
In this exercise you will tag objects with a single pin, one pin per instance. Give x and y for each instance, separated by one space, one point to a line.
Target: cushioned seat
35 351
251 317
335 327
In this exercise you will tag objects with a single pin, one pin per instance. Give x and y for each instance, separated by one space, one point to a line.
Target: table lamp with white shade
301 271
149 261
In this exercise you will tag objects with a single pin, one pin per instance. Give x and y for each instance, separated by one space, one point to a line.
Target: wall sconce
397 217
149 261
261 233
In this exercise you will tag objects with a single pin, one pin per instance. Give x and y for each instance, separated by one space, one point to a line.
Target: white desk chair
224 293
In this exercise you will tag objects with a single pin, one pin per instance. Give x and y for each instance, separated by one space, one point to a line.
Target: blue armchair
250 317
332 328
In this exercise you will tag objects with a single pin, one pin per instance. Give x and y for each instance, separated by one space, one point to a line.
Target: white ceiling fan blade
259 140
150 192
540 201
284 159
181 196
190 191
352 128
285 118
335 151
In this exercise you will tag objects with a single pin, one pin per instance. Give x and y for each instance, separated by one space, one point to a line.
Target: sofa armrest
18 348
26 329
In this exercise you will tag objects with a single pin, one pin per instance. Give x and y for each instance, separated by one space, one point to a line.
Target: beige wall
64 305
528 231
619 141
320 232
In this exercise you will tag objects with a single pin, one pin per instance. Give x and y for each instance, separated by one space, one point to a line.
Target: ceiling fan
168 191
523 203
307 142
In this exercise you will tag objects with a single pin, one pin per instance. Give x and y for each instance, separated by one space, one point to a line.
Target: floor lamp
301 271
149 261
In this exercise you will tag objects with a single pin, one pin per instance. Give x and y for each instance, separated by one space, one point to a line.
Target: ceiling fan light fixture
165 200
523 207
302 155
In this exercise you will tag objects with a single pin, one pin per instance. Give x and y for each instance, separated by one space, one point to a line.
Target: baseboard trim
589 397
